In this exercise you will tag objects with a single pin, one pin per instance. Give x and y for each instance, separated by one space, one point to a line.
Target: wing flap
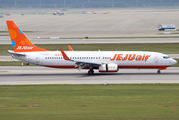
87 62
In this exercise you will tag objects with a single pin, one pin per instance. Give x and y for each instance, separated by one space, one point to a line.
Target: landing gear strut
158 72
90 72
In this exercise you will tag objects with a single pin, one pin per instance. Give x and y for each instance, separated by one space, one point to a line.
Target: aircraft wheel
158 72
90 72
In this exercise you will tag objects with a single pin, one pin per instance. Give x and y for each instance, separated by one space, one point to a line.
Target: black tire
158 72
90 72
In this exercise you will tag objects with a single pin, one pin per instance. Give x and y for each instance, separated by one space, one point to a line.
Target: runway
24 75
138 23
91 41
131 24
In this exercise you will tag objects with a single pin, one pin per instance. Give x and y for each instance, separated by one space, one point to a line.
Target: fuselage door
156 59
37 57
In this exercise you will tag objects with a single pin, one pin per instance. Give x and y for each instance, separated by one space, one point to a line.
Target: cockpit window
166 57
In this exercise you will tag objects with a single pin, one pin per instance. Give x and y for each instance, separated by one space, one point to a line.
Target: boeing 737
104 61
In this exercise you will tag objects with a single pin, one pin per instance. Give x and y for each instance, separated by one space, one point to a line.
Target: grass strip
19 63
174 33
123 101
176 65
4 35
167 48
13 63
4 31
73 38
22 31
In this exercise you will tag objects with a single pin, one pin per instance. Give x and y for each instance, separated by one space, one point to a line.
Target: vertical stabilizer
20 42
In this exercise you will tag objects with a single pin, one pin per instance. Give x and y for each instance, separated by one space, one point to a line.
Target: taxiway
91 41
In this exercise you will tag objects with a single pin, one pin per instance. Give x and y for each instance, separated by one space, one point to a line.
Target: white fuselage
124 59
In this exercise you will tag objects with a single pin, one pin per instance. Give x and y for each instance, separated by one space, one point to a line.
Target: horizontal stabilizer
13 53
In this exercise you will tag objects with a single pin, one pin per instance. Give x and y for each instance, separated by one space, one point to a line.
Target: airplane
104 61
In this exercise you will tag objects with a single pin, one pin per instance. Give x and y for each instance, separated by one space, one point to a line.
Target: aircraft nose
173 62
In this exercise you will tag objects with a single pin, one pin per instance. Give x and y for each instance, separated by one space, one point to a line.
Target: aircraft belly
21 58
142 64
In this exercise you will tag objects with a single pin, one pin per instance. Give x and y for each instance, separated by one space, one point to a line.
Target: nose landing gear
90 72
158 72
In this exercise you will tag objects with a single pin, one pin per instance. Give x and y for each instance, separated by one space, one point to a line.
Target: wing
81 63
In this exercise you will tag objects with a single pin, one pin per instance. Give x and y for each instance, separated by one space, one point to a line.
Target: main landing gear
90 72
158 72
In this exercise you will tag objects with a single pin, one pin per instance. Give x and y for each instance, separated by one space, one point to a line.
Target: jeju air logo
25 48
130 57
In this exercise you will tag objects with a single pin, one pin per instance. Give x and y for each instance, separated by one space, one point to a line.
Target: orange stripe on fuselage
144 67
161 67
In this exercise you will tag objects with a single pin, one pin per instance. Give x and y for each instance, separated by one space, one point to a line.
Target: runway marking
3 71
45 82
89 32
2 59
14 70
128 20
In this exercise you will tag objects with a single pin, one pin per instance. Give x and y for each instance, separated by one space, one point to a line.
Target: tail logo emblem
24 48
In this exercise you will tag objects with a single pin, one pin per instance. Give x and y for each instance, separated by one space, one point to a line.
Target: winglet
70 48
64 55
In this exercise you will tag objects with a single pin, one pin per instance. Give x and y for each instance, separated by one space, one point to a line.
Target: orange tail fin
20 42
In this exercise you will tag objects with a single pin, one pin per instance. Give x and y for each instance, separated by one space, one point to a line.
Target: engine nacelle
108 68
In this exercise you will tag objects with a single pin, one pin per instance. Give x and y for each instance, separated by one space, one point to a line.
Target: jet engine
108 68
